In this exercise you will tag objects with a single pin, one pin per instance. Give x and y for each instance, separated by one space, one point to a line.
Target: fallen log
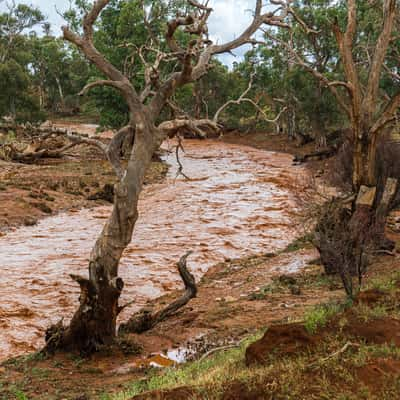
40 147
319 155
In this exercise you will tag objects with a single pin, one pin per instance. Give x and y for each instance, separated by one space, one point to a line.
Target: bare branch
379 56
145 320
388 115
116 84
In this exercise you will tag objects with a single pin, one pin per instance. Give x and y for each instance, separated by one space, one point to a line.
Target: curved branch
238 101
115 84
85 44
114 149
144 320
388 114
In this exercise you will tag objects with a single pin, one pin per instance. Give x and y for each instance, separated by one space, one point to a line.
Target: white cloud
229 19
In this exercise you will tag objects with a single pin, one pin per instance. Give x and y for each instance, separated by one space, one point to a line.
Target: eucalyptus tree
185 59
58 73
16 99
366 40
311 108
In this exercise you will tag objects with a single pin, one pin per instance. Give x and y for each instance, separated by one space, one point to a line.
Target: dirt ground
31 192
235 298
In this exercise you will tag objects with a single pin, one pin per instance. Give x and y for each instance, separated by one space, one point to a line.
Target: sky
229 19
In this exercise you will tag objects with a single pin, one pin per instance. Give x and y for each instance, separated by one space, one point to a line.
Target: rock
183 393
30 221
370 297
42 207
287 280
284 340
240 391
377 331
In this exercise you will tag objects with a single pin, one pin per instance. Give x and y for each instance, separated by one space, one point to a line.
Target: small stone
30 221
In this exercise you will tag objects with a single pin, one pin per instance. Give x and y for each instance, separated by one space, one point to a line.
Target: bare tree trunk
61 93
364 159
94 323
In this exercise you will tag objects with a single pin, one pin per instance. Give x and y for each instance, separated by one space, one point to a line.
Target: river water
238 202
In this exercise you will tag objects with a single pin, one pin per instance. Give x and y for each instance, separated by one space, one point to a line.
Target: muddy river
238 202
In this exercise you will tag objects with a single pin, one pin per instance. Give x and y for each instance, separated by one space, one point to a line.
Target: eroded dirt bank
29 193
237 203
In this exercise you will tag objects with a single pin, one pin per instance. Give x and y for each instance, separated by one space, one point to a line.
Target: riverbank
29 193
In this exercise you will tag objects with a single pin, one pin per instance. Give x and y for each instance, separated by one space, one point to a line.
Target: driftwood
145 320
319 155
40 145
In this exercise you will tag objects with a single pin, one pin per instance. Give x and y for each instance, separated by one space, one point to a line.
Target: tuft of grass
367 313
265 291
19 394
320 315
384 283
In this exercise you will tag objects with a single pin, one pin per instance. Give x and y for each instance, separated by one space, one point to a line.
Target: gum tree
366 40
189 52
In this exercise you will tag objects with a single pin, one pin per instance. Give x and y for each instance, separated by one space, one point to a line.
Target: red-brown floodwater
238 203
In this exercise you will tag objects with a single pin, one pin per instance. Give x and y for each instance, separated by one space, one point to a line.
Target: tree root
145 320
317 363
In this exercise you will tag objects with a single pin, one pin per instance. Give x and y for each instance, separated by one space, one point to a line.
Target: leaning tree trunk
94 323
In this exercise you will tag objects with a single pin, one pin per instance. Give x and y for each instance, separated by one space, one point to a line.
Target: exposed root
145 320
333 355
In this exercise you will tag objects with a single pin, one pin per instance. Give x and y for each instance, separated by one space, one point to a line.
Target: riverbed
238 201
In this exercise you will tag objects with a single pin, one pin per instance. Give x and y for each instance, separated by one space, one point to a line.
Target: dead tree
244 98
94 323
185 125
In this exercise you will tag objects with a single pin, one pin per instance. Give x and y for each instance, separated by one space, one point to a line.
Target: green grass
384 283
210 372
320 315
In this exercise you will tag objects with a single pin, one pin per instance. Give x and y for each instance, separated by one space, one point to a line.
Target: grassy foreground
342 365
